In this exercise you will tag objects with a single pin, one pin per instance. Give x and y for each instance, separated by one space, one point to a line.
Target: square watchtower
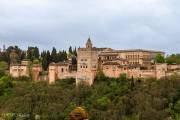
87 63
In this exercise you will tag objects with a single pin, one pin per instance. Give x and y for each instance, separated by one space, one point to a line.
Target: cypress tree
64 55
44 60
48 57
75 51
36 53
70 50
54 55
30 53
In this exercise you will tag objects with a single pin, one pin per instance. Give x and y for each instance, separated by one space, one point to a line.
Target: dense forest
107 99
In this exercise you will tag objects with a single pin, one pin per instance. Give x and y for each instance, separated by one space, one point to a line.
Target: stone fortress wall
24 69
60 71
137 63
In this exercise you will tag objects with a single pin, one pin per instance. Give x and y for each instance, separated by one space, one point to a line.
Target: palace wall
36 70
160 71
137 63
60 71
19 70
24 69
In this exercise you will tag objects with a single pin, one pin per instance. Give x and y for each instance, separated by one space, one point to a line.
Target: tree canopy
173 59
107 99
159 58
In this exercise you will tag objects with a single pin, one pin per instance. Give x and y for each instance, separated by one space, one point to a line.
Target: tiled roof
96 49
130 50
59 63
111 63
139 50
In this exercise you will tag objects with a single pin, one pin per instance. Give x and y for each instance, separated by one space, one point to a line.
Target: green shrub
3 66
100 77
102 103
66 82
9 116
177 107
123 76
22 78
36 61
1 73
5 83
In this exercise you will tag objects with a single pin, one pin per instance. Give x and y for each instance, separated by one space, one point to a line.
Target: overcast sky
119 24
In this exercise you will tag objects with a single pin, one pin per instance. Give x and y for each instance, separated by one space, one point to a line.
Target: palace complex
137 63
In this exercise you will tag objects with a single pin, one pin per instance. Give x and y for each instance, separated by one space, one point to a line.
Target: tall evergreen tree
64 55
70 50
36 52
48 57
75 51
60 56
23 55
33 53
54 55
74 60
30 55
44 60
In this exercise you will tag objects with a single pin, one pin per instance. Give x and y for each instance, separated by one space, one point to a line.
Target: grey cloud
119 24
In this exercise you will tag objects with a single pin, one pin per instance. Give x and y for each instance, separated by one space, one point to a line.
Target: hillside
107 99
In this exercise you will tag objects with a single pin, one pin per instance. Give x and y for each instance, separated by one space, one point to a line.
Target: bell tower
89 43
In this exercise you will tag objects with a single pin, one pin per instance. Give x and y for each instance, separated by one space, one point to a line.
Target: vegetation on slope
107 99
